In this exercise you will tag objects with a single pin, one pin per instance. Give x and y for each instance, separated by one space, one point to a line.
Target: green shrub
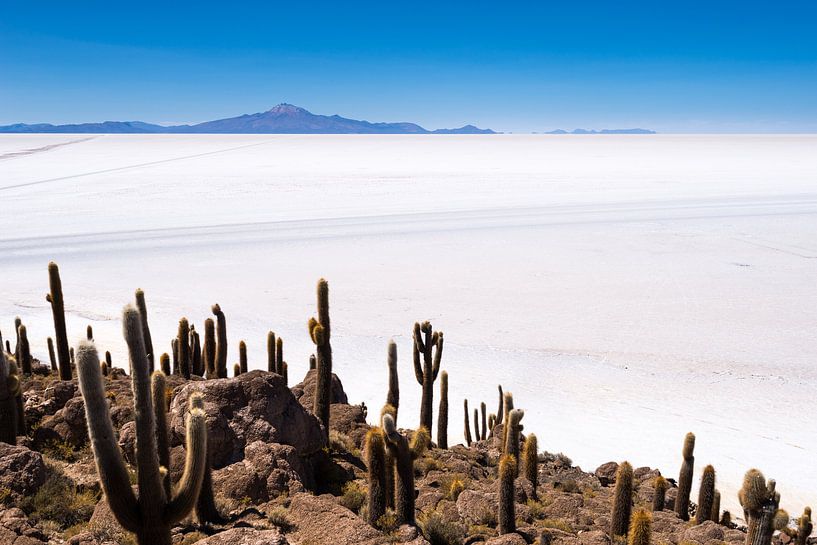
354 496
388 522
341 443
58 501
280 518
438 531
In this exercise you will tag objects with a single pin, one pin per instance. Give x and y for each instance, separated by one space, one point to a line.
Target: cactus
221 345
71 356
622 501
507 407
174 346
236 369
507 494
715 513
476 424
804 527
375 456
151 514
685 478
89 332
9 390
108 359
760 506
242 356
393 397
103 368
500 414
24 354
530 462
513 430
726 519
164 363
17 323
313 362
640 528
183 348
706 495
404 454
52 356
442 417
660 494
206 508
279 356
197 365
271 352
468 440
158 387
208 353
320 332
58 311
425 341
484 434
285 372
143 315
390 464
491 424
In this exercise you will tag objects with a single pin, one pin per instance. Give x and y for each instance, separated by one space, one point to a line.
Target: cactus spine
52 356
760 505
467 424
404 454
9 389
804 527
221 345
183 348
209 350
393 397
374 452
685 478
425 342
151 515
58 311
507 495
706 495
530 462
24 357
320 332
143 316
622 500
640 528
442 417
242 356
660 494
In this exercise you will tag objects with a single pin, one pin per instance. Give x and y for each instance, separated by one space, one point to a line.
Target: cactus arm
143 315
158 385
415 353
113 476
437 356
187 491
501 412
393 397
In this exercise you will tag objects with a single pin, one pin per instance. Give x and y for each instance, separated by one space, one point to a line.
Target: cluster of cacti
804 527
706 496
404 454
442 417
760 504
429 344
622 500
151 514
58 310
685 477
319 332
9 391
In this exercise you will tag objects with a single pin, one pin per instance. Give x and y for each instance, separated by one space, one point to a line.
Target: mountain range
603 131
282 119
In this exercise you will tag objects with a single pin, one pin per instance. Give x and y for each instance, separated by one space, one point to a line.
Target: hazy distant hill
282 119
603 131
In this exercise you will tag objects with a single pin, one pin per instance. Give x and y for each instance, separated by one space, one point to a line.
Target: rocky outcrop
16 529
67 425
319 519
245 536
22 471
256 406
304 391
606 473
703 533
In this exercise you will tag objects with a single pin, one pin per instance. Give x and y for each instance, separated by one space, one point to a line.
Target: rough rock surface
67 425
16 529
245 536
606 473
319 519
22 471
304 391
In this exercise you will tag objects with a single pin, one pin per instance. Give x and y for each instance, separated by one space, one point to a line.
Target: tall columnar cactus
491 424
285 372
404 454
24 355
320 332
507 494
195 353
108 359
715 513
513 430
476 424
143 316
442 417
706 495
52 356
685 478
209 351
393 397
804 526
150 515
206 508
279 356
622 500
9 389
467 426
271 352
659 496
164 363
760 506
242 356
17 323
174 348
221 345
530 462
500 413
640 528
507 407
158 387
374 451
89 332
58 311
429 343
183 347
390 463
484 433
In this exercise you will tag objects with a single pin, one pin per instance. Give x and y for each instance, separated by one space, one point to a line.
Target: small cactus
429 344
221 345
242 356
52 356
174 349
530 462
58 311
715 514
89 332
706 495
507 494
404 454
183 348
640 528
271 368
500 413
374 451
208 353
393 397
143 315
467 426
24 354
622 500
279 356
685 478
236 369
442 417
726 519
660 494
804 527
164 363
9 389
484 433
476 424
320 332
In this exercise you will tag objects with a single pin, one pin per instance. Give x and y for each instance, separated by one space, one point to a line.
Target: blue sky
673 66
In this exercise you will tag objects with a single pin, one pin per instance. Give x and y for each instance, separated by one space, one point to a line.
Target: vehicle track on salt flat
49 147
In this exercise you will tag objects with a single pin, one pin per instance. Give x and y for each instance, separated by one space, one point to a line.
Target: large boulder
22 471
16 529
245 536
305 390
703 533
255 406
320 519
606 473
67 425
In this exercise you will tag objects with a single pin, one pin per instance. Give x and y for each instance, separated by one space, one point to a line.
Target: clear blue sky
673 66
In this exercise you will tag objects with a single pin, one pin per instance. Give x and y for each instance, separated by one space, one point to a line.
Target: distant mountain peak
284 108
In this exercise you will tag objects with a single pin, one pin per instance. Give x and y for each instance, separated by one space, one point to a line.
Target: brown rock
245 536
304 391
66 425
507 539
22 472
477 507
319 519
594 537
267 471
606 473
703 533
